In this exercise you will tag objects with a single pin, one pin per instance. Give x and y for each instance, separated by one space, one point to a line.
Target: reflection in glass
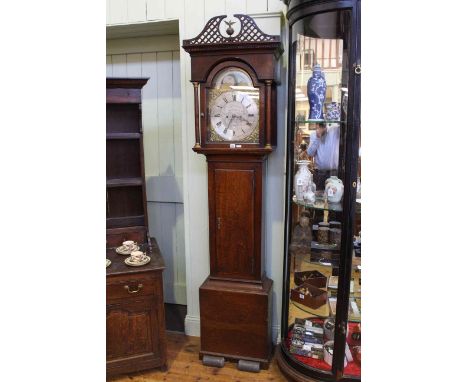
321 49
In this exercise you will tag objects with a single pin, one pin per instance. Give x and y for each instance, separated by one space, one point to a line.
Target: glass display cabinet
321 313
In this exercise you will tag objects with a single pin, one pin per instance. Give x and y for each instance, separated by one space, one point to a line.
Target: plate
130 263
122 251
108 262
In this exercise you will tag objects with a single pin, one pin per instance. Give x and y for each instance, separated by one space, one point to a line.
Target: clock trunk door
235 244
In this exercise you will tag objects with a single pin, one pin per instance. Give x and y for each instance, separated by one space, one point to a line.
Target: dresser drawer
131 286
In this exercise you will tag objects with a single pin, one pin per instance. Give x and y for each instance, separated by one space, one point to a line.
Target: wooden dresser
136 337
135 304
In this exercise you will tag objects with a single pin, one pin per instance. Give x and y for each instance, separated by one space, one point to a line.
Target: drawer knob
134 290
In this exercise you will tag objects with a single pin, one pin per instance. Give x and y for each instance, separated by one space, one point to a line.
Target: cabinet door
132 329
235 219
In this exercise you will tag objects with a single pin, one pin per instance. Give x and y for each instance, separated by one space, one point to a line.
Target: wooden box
314 278
241 329
309 295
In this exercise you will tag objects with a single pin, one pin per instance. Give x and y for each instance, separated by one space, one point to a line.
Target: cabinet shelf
124 182
126 221
312 121
320 204
123 135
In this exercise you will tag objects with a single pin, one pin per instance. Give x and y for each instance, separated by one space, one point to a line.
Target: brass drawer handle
133 291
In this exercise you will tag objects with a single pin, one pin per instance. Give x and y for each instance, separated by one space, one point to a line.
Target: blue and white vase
332 111
316 89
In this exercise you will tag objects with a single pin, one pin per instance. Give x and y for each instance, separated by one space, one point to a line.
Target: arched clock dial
234 115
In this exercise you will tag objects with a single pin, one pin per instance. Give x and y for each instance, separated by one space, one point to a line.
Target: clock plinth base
235 320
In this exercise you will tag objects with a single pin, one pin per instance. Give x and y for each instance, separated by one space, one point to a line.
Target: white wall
137 11
192 15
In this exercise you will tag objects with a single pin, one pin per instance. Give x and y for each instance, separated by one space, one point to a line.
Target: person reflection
324 147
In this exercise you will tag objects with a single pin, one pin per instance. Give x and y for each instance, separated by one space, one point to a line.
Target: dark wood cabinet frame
134 295
295 370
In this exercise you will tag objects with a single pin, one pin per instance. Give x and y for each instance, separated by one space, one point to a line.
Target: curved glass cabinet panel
322 294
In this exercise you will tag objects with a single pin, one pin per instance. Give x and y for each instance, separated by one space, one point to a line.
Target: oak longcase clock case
234 74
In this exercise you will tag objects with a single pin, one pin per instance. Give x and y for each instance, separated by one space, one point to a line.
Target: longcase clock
234 74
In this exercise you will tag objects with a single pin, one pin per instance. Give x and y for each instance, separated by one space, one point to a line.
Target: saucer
123 251
108 262
131 263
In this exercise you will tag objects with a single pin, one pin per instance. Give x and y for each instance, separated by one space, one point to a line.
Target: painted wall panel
195 12
155 10
180 288
149 113
143 44
119 65
174 9
177 116
276 6
136 10
236 6
134 65
108 66
167 189
214 8
169 235
165 114
118 11
108 12
257 6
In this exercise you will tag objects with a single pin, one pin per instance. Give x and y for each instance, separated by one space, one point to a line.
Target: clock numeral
225 99
217 115
218 124
249 124
234 97
219 106
248 105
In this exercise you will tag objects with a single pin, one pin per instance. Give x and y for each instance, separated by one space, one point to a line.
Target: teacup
129 244
137 256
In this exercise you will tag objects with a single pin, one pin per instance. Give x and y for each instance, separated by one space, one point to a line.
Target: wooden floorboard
184 365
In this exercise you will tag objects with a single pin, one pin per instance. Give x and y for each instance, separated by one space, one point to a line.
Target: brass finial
230 29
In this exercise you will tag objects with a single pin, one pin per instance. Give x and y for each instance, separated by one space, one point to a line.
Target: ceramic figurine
334 189
303 180
302 234
309 197
344 102
332 112
316 89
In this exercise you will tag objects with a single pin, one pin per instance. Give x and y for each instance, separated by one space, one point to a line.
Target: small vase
303 183
316 89
334 189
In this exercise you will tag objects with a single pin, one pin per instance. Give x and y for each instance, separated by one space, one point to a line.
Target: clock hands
229 124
